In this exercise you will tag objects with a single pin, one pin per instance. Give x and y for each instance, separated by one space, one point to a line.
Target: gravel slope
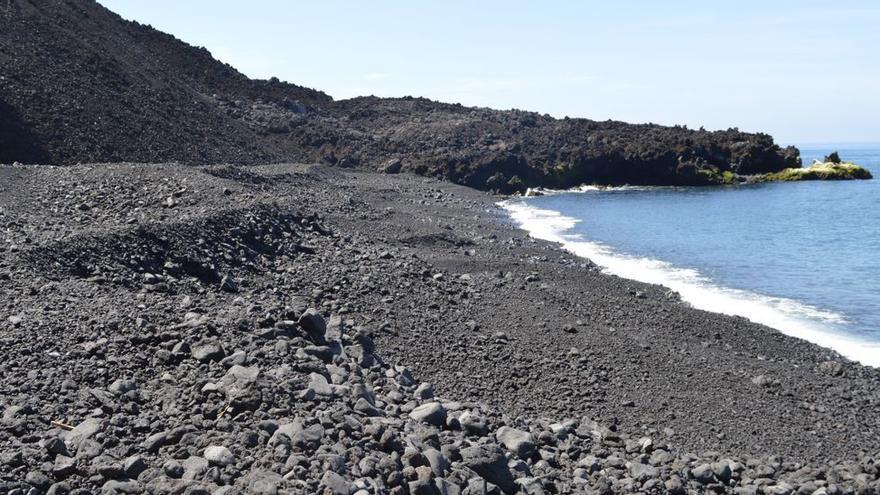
161 311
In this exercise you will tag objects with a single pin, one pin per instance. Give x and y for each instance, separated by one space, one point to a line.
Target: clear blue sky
804 71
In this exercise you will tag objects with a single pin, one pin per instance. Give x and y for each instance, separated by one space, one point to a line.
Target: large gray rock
438 462
55 446
703 473
530 486
83 431
239 387
194 467
308 437
323 352
133 466
120 386
473 424
208 350
259 482
444 487
364 407
674 486
722 470
118 487
285 433
643 472
154 442
239 377
334 484
781 488
392 166
334 329
432 413
318 383
219 455
480 486
490 463
517 441
13 412
314 325
38 479
424 391
64 466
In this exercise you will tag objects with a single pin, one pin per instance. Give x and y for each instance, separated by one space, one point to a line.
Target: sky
804 71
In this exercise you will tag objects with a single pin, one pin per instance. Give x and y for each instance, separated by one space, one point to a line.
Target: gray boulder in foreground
517 441
432 413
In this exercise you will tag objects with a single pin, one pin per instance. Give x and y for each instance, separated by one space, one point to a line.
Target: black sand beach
131 291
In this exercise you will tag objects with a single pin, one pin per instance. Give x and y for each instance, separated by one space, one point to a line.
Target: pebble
208 350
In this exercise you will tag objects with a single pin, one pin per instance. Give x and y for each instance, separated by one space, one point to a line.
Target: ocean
803 257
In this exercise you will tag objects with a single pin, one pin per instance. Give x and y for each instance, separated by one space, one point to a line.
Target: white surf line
585 188
786 315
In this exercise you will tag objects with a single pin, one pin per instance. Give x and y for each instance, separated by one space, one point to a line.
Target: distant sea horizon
799 257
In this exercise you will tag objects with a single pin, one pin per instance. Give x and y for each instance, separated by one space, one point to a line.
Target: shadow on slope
17 142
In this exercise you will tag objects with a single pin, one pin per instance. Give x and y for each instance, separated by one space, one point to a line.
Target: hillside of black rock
80 84
295 329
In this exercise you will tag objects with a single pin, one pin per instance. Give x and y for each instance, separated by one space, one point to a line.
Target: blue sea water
801 257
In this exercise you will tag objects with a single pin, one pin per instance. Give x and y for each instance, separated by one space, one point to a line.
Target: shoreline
787 316
506 327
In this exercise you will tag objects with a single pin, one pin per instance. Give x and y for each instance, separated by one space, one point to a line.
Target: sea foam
786 315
